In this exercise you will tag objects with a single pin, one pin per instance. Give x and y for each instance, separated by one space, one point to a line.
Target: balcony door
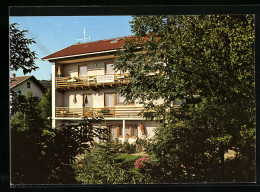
88 104
110 99
83 71
109 69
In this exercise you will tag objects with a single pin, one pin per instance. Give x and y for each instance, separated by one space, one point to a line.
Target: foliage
143 144
46 107
141 162
125 147
25 111
101 166
21 57
61 146
40 154
208 63
128 147
27 165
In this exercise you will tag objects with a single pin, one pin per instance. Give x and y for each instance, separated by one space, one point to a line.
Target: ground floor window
131 130
116 130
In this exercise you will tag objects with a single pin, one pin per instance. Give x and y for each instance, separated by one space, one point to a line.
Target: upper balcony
91 82
106 112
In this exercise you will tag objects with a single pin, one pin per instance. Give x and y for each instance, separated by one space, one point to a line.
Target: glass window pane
109 68
110 102
127 130
87 101
134 130
83 71
113 131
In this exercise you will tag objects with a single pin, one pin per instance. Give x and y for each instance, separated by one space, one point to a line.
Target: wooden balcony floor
98 112
89 82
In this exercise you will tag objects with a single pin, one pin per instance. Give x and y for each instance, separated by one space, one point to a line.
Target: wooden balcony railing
91 81
95 112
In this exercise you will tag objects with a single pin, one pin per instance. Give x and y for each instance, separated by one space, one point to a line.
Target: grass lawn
127 160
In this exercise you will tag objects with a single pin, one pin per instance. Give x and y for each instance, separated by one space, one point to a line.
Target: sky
53 33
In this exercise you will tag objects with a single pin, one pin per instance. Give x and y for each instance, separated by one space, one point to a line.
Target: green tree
26 130
40 154
25 111
61 147
207 62
21 57
46 107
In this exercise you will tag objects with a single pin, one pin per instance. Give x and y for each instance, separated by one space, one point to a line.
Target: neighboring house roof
89 47
15 81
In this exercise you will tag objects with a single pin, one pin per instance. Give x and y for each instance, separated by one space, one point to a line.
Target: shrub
101 166
141 163
128 147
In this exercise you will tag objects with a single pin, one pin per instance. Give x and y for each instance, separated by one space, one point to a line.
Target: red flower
141 162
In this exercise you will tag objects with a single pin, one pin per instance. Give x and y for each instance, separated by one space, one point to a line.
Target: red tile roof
89 47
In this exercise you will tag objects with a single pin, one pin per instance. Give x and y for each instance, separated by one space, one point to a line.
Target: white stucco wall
98 98
94 68
36 91
149 127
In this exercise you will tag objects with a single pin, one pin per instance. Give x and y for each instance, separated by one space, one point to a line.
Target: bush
128 147
118 146
142 162
101 166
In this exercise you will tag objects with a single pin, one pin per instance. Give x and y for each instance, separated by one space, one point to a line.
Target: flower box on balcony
105 111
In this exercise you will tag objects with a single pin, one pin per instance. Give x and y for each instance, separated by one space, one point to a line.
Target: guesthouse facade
84 85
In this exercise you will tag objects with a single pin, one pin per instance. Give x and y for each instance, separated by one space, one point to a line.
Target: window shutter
131 130
117 131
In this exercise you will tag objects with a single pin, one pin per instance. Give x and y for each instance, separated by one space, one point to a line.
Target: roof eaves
54 58
20 82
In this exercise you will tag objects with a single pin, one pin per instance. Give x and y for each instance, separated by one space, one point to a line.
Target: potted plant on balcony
105 111
72 79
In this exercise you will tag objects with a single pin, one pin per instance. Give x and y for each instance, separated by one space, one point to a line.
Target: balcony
119 111
91 82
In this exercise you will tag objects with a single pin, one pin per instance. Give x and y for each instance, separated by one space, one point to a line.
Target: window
87 100
83 71
113 130
110 99
109 68
117 130
121 100
28 85
131 130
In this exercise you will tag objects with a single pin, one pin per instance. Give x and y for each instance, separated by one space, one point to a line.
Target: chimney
13 75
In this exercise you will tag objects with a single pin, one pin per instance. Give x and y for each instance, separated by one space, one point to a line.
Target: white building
83 84
24 83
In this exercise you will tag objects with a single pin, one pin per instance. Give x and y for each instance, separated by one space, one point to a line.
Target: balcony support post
123 132
53 95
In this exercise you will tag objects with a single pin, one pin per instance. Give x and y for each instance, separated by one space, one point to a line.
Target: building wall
36 91
67 98
94 68
149 127
98 97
